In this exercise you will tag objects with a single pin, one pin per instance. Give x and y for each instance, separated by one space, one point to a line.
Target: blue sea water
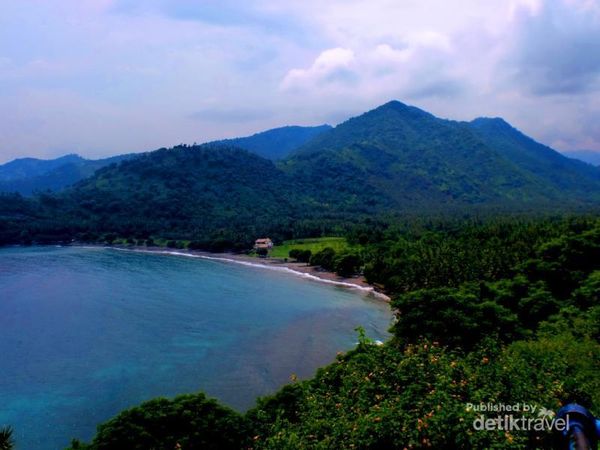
87 332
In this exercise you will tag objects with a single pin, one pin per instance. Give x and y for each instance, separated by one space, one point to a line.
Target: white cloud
530 7
430 39
330 66
420 67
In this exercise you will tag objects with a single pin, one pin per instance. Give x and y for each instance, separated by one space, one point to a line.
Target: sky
103 77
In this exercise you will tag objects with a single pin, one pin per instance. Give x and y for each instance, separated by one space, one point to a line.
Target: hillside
208 193
31 167
547 165
277 143
29 175
408 158
587 156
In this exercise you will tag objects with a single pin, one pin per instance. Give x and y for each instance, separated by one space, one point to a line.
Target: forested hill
31 167
207 192
588 156
29 175
393 160
413 158
546 164
277 143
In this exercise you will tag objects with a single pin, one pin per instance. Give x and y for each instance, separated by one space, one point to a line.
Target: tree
195 245
300 255
324 258
588 293
347 264
187 422
305 256
6 438
453 317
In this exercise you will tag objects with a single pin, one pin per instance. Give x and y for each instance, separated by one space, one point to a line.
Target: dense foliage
556 277
187 422
519 326
300 255
218 197
404 157
448 253
536 158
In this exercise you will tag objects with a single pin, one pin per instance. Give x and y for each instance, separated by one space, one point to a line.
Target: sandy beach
297 268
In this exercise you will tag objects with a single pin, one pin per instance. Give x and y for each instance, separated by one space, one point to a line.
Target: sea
86 332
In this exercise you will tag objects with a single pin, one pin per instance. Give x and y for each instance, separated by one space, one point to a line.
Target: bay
87 332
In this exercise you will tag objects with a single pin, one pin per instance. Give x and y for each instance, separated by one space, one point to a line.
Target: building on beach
263 243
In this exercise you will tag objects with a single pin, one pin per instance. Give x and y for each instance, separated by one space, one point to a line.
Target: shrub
325 259
300 255
190 421
347 264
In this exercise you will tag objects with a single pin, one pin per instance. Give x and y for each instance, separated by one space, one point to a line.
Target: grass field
312 244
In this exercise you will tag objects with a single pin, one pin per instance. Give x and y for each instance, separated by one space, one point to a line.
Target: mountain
547 165
209 192
277 143
393 160
31 167
404 158
28 175
588 156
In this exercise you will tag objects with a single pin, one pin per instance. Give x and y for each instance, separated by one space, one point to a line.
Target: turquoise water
87 332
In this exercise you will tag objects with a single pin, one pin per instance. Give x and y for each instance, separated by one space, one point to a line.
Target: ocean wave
365 289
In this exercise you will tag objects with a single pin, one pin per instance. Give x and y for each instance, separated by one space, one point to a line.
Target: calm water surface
87 332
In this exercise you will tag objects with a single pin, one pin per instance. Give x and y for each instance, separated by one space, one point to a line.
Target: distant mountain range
29 175
588 156
277 143
395 159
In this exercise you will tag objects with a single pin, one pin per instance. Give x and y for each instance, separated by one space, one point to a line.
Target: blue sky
101 77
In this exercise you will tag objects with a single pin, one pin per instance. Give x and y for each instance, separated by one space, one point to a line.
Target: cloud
530 7
103 76
419 68
333 65
233 115
229 13
557 48
442 88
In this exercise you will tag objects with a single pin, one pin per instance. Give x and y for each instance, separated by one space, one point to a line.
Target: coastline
296 268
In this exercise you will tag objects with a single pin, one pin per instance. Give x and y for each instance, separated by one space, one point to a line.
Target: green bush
453 317
347 264
190 421
300 255
324 259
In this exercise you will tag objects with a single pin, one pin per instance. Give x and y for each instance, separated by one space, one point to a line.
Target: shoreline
296 268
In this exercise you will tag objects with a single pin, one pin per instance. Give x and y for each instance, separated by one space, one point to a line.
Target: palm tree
6 438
